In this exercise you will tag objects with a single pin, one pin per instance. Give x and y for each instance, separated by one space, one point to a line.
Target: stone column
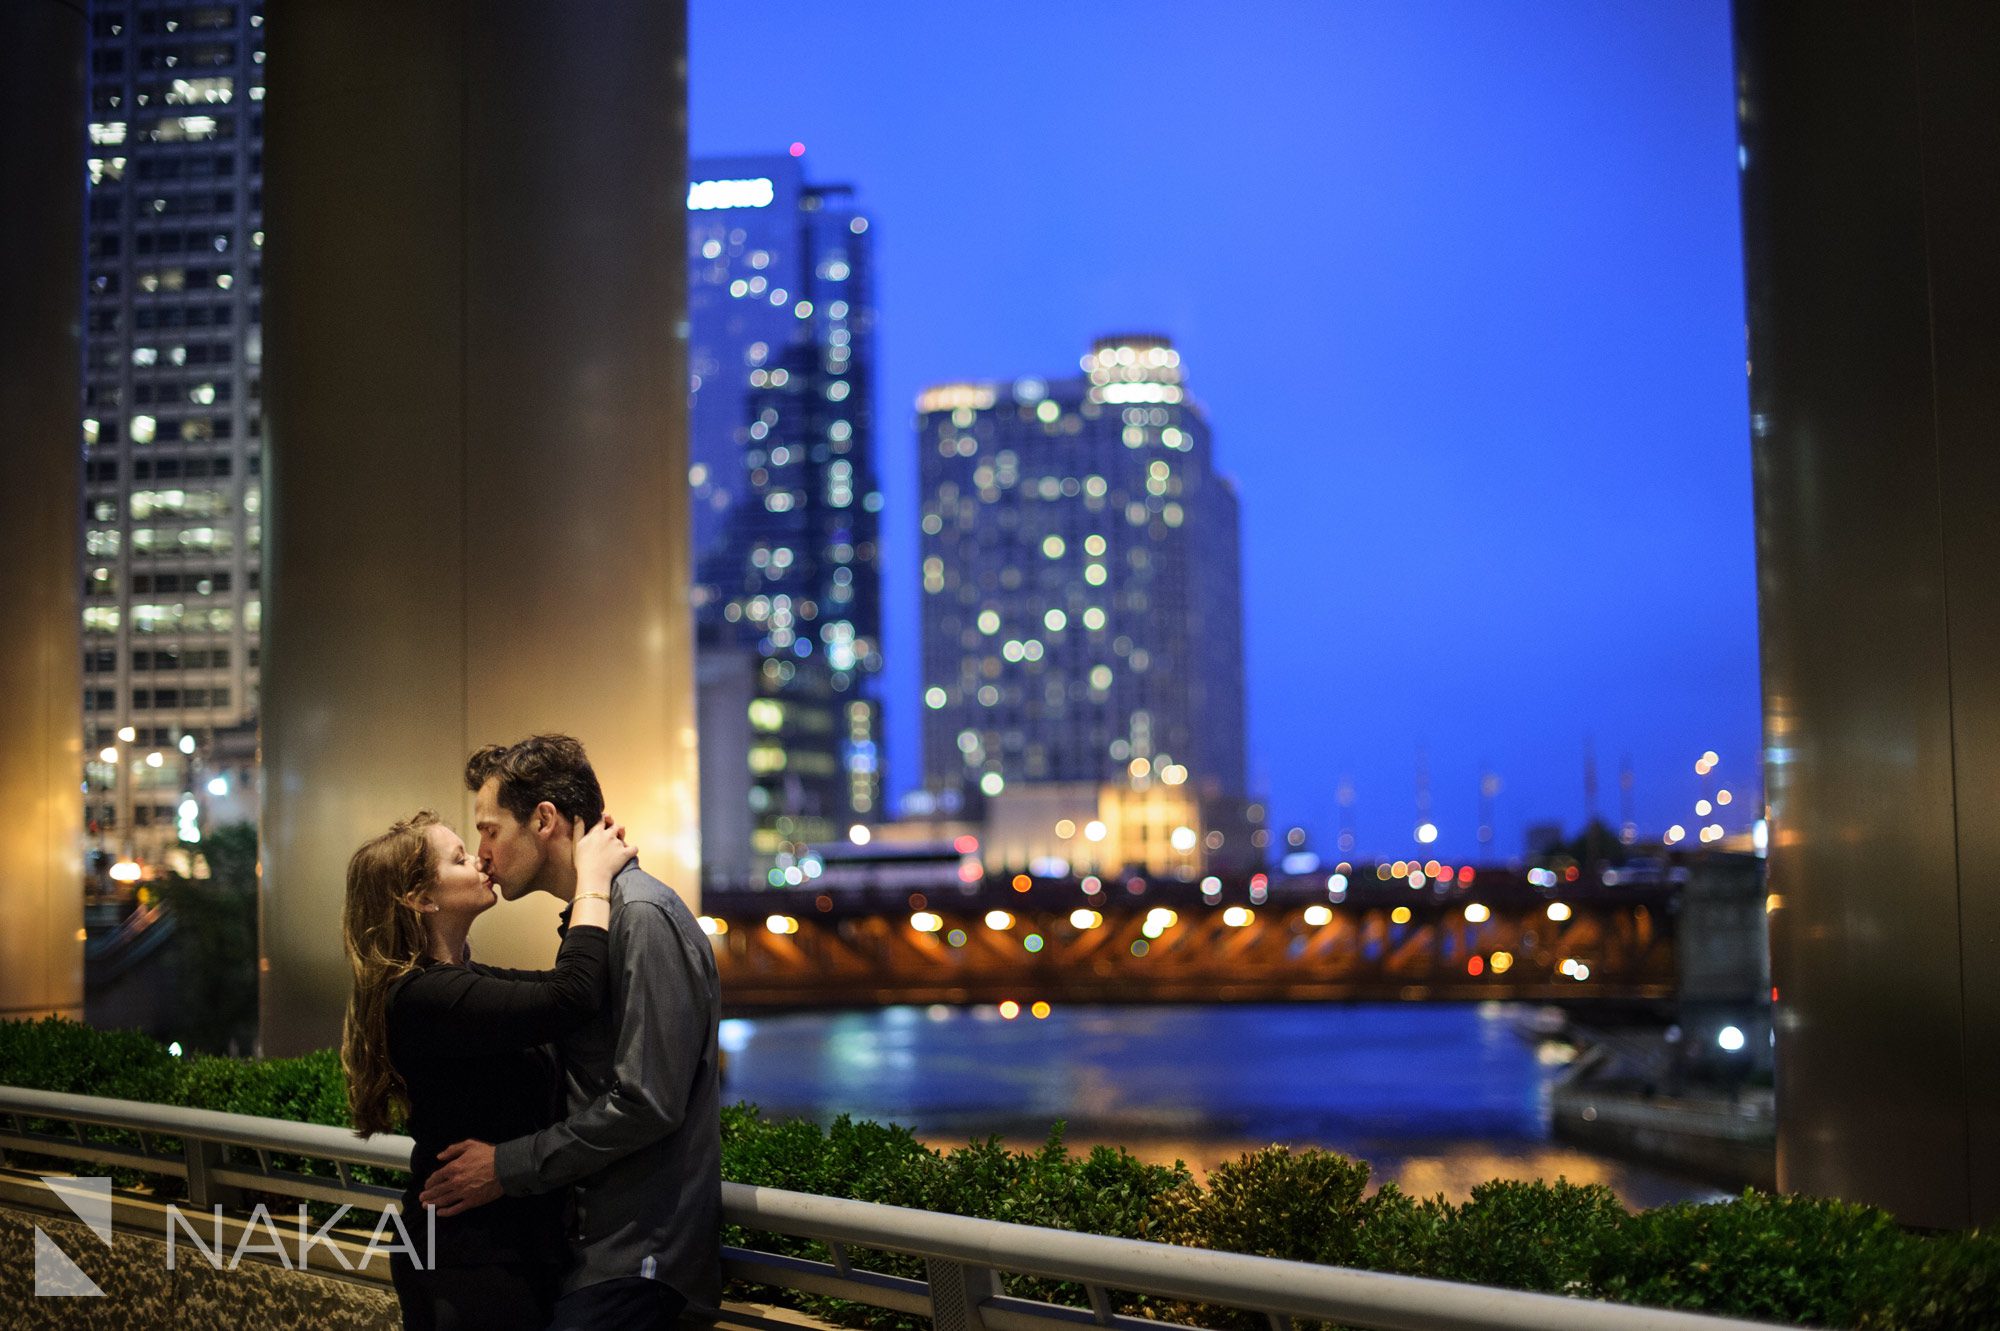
1871 181
42 45
476 431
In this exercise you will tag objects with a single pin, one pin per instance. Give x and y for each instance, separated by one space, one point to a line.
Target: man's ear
549 822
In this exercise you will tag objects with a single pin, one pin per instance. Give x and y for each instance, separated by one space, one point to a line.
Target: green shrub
57 1055
1106 1192
306 1089
1535 1236
758 1151
1786 1259
1944 1283
1109 1191
66 1056
1406 1236
797 1155
73 1059
866 1160
1301 1206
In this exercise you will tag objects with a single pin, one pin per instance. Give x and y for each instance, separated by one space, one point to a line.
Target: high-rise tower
1082 586
783 476
172 423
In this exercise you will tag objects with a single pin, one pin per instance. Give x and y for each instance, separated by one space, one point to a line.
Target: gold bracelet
591 896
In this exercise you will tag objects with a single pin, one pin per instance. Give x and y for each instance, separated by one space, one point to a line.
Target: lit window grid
795 565
822 560
164 166
982 530
828 462
742 246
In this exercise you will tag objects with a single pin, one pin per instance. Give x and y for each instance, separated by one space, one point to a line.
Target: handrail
385 1151
965 1257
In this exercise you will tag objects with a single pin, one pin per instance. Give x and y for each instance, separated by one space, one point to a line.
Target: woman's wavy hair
385 937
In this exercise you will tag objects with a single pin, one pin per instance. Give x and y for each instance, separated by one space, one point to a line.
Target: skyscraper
1082 588
171 422
783 475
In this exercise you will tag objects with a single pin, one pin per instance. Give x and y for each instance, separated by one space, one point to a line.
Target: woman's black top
468 1044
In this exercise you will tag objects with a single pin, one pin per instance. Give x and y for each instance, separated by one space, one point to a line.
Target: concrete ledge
140 1293
257 1292
1731 1145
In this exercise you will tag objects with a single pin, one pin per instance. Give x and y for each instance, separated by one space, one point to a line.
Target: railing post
203 1159
957 1290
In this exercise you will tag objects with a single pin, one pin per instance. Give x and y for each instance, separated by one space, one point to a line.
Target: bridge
1369 933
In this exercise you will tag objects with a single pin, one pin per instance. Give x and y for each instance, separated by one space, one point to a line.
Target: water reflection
1438 1097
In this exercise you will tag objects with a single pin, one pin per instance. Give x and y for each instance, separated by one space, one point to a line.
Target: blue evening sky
1459 286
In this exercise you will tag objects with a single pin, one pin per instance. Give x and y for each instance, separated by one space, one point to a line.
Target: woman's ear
419 903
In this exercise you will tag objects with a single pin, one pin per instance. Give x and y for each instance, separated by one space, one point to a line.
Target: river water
1436 1096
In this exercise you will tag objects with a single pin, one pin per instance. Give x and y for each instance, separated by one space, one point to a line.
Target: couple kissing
566 1121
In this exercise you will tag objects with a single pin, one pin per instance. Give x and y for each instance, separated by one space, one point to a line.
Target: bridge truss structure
1493 936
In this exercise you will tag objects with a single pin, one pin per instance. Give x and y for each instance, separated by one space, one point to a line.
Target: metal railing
137 936
225 1157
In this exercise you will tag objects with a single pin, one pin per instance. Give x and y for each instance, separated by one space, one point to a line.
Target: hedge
1775 1258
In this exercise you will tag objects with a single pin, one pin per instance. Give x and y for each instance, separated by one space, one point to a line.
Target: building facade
1082 588
171 426
786 505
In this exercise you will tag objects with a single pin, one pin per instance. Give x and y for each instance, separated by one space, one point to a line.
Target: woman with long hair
454 1049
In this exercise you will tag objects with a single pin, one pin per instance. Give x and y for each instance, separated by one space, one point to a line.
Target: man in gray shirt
641 1147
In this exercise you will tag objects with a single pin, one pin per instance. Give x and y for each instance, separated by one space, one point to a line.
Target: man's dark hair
538 768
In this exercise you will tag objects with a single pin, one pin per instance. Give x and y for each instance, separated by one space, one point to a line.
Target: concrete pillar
42 45
1871 138
476 430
